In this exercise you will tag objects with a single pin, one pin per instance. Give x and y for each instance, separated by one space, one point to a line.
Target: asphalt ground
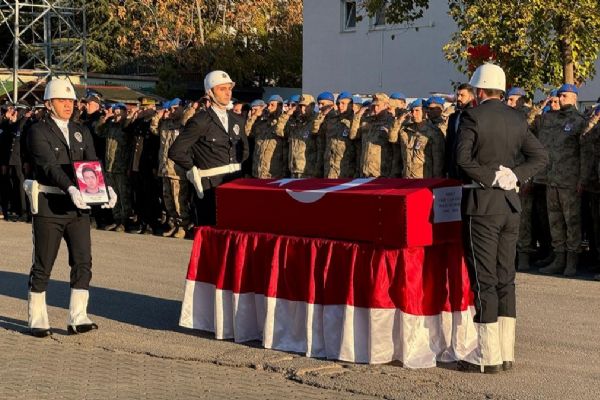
140 352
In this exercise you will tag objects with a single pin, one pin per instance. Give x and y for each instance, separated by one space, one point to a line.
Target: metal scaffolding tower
46 37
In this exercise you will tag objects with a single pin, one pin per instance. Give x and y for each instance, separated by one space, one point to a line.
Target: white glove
112 198
194 177
508 180
498 176
77 199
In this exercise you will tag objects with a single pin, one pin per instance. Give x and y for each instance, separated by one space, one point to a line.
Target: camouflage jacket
118 145
560 133
305 147
422 147
374 131
270 158
340 157
590 146
167 130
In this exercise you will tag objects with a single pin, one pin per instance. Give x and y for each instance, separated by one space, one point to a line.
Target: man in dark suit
54 143
464 100
212 146
491 137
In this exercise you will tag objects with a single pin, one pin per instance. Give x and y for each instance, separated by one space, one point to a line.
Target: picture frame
91 182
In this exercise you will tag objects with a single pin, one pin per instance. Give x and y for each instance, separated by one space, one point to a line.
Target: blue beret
545 109
326 96
295 98
554 93
119 105
516 91
357 100
367 103
257 103
568 87
416 103
397 96
344 95
276 98
435 100
175 102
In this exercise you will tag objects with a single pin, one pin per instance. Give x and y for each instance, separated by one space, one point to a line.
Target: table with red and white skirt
364 270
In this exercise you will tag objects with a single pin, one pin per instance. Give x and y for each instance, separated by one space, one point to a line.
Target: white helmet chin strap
214 99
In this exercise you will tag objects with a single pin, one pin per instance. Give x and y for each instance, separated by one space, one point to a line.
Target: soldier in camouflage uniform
590 146
117 162
374 131
435 113
334 126
270 159
305 150
422 144
560 134
397 109
515 98
167 124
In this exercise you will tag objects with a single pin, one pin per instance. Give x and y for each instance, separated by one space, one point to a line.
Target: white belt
195 175
49 189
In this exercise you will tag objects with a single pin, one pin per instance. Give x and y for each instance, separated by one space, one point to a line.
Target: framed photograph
91 183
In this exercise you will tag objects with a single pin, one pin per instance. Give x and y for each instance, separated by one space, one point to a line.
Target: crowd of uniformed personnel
343 136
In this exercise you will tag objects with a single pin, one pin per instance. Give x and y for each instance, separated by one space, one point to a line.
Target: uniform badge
236 129
305 134
345 133
568 127
78 137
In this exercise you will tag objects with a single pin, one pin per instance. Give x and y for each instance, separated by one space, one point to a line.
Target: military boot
571 268
557 266
170 228
180 231
544 261
523 262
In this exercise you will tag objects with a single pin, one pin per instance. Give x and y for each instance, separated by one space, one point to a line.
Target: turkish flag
387 212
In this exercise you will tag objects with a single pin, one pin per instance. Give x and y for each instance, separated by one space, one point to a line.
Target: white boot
487 356
507 327
78 320
38 315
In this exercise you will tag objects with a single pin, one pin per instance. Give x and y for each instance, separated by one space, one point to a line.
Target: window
378 20
348 15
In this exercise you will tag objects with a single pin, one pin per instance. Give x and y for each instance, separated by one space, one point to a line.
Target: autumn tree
537 42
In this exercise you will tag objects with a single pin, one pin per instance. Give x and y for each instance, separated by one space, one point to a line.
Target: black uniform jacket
451 167
52 161
204 143
491 135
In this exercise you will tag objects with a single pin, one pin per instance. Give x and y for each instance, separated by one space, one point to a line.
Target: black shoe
120 228
465 366
544 262
507 365
110 227
40 332
83 328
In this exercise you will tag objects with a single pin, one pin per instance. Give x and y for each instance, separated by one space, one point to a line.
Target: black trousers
490 243
147 193
47 234
11 188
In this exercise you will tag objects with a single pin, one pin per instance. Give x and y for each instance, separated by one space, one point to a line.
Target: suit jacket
52 161
450 165
206 144
491 135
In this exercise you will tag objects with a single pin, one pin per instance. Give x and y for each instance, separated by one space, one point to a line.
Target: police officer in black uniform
490 138
54 143
212 146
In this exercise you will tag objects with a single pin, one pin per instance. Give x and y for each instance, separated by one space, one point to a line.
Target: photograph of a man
91 182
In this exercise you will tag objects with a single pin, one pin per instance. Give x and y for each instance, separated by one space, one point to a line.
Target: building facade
344 49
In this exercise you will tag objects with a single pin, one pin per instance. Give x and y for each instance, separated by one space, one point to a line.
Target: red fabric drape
416 280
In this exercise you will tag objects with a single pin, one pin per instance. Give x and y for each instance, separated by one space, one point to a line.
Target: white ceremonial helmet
216 78
489 76
59 89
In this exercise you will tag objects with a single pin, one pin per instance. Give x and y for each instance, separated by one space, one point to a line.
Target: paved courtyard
139 352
